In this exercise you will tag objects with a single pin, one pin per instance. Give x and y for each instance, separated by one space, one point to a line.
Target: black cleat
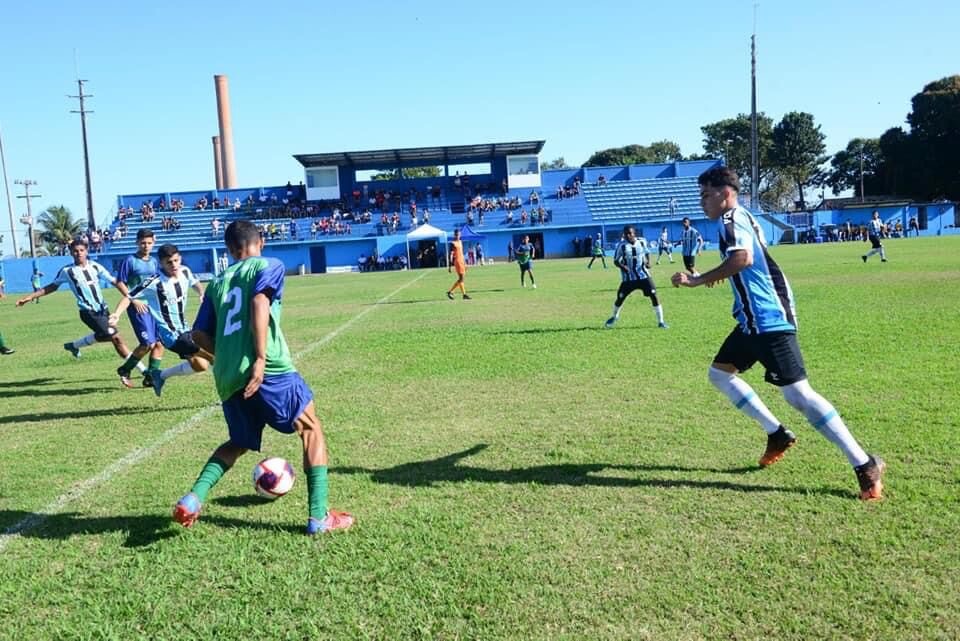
869 476
6 351
777 445
75 351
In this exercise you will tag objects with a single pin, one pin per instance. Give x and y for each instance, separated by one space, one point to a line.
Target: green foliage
58 226
662 151
935 134
408 172
798 150
845 167
730 139
517 471
556 163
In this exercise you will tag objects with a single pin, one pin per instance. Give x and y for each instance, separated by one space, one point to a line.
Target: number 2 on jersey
235 302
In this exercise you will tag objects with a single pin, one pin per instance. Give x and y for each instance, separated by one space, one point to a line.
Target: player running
874 233
239 322
525 254
691 242
83 278
165 295
135 269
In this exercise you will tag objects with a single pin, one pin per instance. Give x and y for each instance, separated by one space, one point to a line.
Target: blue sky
316 77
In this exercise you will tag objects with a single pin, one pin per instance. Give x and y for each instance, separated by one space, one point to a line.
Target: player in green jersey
258 385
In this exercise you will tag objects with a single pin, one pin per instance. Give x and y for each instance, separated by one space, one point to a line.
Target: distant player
766 331
4 349
83 278
165 295
458 264
239 322
691 242
597 252
875 233
35 282
664 246
525 255
135 269
633 260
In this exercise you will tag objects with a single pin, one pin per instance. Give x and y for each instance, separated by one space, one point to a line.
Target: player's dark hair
627 228
166 251
144 232
79 240
720 177
685 220
239 234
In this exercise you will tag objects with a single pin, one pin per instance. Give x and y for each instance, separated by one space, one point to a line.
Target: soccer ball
273 477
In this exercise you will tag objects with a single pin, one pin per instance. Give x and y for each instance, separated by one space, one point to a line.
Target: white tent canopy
426 232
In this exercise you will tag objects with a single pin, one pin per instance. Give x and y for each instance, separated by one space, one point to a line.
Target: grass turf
516 470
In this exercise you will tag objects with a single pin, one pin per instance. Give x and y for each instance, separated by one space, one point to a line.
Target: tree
845 167
58 227
935 133
662 151
556 163
798 150
730 139
408 172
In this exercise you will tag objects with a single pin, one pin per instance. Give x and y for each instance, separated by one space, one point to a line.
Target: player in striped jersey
691 243
83 278
165 295
134 269
664 246
239 322
766 331
633 260
874 233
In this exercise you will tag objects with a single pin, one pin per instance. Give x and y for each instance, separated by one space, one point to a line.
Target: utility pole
28 219
91 222
6 186
862 195
754 132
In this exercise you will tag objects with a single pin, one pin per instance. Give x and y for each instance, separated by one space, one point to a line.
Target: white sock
883 254
141 367
183 369
658 310
746 400
86 340
872 252
616 311
824 417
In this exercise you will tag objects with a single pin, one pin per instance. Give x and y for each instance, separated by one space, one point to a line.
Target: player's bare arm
735 262
260 319
48 289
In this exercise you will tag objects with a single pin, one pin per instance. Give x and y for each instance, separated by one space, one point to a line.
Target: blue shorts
144 327
278 403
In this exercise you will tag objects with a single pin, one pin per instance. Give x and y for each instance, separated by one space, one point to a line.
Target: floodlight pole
754 134
28 219
91 223
6 186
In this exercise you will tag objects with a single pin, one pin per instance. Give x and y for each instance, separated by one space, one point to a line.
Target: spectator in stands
413 219
913 226
174 223
510 217
534 197
672 207
479 251
470 217
216 202
426 216
293 230
162 205
559 192
362 262
480 216
215 227
601 180
117 234
236 204
576 186
523 216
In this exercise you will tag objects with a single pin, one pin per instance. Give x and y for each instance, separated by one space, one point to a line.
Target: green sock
129 364
317 491
3 343
214 469
154 363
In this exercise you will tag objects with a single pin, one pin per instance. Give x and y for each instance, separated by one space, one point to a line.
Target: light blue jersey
84 282
762 298
134 270
167 299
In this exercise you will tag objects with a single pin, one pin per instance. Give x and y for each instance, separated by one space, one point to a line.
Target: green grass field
517 471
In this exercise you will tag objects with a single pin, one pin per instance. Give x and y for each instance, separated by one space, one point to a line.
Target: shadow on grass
141 530
548 330
64 391
447 469
241 500
41 417
32 381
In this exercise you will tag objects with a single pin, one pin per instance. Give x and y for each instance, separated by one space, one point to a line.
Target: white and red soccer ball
273 477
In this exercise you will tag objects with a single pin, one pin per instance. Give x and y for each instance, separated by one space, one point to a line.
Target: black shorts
778 352
184 347
689 262
875 241
99 323
643 284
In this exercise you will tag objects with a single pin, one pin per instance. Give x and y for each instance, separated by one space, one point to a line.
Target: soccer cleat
124 377
187 510
883 260
6 351
534 286
75 351
864 258
465 297
450 295
523 285
663 326
869 476
777 445
332 521
147 379
610 322
156 381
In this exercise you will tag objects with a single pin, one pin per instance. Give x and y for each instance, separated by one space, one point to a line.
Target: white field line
139 454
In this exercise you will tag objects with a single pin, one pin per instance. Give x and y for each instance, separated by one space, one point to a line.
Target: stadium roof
414 156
